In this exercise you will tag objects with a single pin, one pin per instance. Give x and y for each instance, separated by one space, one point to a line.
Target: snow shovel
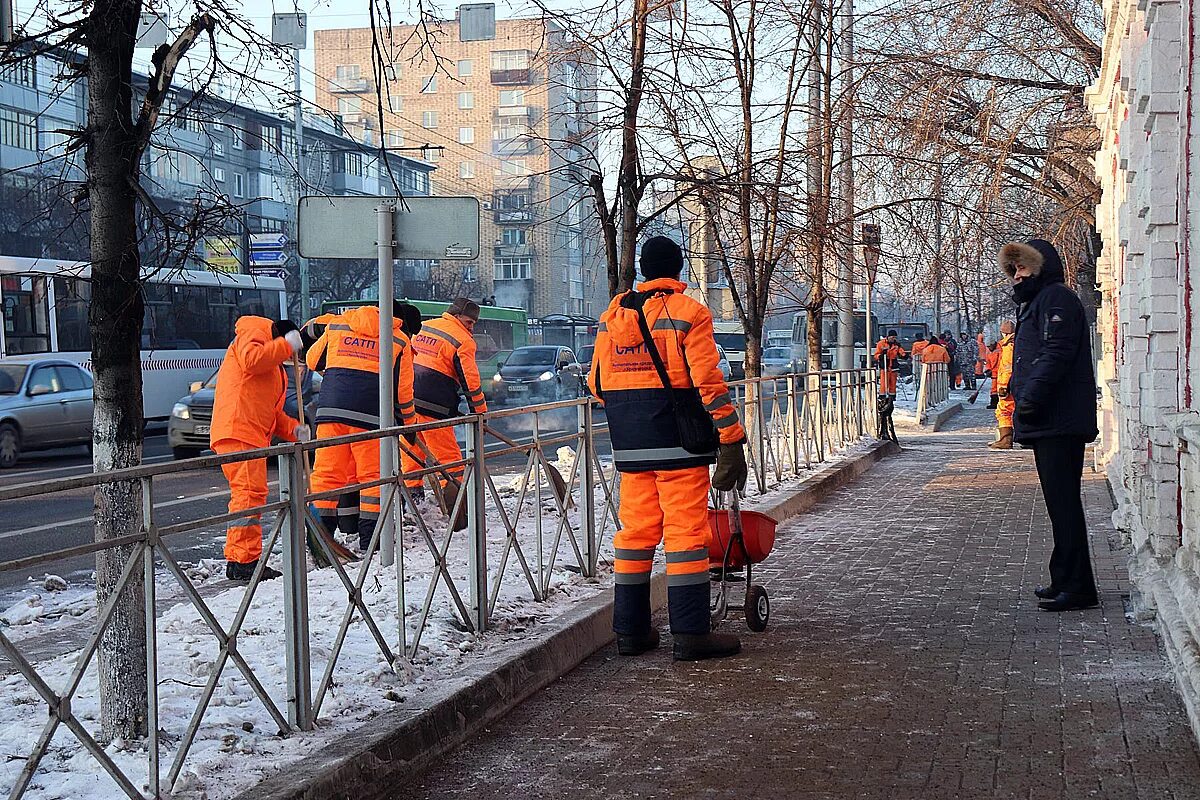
556 479
314 531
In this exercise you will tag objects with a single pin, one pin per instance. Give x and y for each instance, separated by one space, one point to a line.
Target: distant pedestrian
966 355
1004 401
1054 386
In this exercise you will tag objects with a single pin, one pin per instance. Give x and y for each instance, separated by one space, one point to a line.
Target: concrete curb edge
402 742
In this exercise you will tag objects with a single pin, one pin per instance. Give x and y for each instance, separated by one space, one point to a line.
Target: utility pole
291 30
845 343
937 247
814 144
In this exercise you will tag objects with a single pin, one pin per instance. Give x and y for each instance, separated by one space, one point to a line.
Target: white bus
188 324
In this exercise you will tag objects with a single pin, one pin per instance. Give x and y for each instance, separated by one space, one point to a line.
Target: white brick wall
1149 275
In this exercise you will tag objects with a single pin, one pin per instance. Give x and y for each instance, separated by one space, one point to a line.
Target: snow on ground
238 743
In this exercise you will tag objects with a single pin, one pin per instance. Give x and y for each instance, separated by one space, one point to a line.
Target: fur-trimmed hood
1037 254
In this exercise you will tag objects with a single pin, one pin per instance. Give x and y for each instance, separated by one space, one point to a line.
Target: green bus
499 331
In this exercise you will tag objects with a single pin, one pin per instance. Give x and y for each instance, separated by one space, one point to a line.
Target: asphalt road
40 525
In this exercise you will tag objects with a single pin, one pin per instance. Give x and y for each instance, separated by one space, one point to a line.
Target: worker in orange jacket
347 353
887 353
981 349
247 413
936 353
1006 405
992 365
664 485
444 364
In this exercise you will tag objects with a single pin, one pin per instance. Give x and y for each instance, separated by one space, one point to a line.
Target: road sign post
388 228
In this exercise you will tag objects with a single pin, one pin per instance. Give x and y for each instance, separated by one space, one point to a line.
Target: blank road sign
423 228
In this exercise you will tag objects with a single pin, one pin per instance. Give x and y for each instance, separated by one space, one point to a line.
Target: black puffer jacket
1053 377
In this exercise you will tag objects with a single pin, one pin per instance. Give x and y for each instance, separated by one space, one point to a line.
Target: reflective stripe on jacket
443 363
348 356
893 351
640 411
248 406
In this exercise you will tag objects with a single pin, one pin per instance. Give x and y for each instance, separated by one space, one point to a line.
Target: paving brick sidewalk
906 658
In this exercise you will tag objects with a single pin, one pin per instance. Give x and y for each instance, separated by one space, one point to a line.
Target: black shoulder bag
697 433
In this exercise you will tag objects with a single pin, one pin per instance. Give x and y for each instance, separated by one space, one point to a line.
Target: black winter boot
242 573
700 647
636 645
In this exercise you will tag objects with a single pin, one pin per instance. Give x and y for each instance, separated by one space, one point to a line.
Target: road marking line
87 471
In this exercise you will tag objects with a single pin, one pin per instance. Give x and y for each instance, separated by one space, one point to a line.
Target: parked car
539 372
585 355
44 402
723 363
191 418
777 361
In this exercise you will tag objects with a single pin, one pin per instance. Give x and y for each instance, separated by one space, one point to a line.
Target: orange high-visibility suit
981 361
347 510
443 363
664 488
993 362
1004 410
886 356
247 413
348 355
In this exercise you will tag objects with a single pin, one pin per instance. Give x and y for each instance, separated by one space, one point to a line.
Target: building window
219 174
236 142
465 67
514 236
466 169
466 100
349 105
509 128
513 269
189 170
218 148
430 85
395 138
470 272
510 59
466 135
515 97
393 72
21 73
395 103
429 119
239 185
512 166
18 129
351 72
354 164
431 153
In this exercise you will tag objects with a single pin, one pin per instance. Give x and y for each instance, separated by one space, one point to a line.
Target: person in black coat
1054 385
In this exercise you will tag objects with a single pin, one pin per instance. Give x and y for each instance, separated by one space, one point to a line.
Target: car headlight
181 411
497 379
546 376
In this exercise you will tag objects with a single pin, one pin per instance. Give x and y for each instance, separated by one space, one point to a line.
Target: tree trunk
629 179
115 320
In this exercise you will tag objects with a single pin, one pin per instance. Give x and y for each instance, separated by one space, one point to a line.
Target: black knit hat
661 258
891 333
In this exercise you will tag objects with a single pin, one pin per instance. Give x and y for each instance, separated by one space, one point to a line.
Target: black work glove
1003 392
731 467
411 438
1028 412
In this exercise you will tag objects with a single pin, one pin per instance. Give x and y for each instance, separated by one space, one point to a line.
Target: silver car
44 402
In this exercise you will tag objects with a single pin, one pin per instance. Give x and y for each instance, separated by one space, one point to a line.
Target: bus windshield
731 341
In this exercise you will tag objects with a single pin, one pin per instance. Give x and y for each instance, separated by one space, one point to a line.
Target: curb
370 761
939 419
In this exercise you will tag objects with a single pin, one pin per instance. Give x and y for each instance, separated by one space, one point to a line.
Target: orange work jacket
248 406
444 362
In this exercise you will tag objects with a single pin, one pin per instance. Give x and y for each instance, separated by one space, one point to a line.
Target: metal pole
845 343
477 525
588 489
295 593
385 214
6 25
937 247
150 529
305 299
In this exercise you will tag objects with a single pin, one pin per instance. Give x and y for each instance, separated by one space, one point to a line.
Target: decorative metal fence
516 533
934 389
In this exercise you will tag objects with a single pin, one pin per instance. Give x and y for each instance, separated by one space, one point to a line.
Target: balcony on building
505 181
509 112
514 251
516 146
520 76
349 85
513 216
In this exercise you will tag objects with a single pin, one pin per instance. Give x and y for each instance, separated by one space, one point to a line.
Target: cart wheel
758 609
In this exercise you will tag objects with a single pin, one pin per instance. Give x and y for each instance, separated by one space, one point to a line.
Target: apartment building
508 120
208 148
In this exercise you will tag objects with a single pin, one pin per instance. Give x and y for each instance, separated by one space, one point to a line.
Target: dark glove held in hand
731 468
1003 392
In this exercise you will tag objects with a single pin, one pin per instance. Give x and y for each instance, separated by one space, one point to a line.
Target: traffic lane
179 497
67 462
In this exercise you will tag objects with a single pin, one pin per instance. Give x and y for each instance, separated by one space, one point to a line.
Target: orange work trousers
441 443
887 381
247 489
1004 412
341 465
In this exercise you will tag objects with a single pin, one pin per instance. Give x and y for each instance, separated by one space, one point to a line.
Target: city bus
188 324
500 330
829 337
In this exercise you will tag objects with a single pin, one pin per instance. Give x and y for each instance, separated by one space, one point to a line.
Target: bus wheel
10 445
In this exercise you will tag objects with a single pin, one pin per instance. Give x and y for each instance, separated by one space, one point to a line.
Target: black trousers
1060 470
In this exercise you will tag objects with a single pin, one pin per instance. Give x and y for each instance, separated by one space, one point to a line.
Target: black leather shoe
1046 592
699 647
1069 602
636 645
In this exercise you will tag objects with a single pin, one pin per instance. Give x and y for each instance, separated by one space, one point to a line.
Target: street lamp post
291 30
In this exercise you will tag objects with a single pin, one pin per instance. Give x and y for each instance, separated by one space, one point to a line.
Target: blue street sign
268 257
267 241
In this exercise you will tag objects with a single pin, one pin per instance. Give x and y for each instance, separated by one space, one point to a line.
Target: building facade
208 152
509 120
1145 107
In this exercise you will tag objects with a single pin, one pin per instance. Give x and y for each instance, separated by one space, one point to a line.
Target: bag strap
649 340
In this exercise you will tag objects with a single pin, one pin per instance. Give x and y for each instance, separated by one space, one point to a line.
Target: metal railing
934 389
516 534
